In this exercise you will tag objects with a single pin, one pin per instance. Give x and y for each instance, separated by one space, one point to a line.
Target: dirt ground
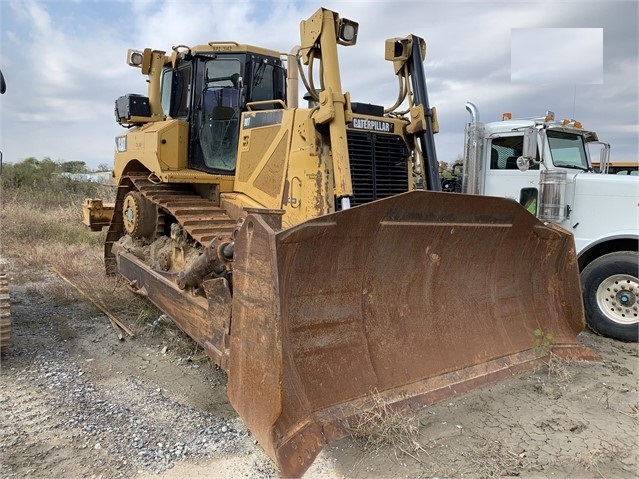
75 401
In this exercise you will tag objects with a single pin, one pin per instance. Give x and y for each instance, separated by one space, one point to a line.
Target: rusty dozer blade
418 297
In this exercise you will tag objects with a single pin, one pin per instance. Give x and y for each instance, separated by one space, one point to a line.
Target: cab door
503 177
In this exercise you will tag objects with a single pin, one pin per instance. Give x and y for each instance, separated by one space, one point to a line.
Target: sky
65 62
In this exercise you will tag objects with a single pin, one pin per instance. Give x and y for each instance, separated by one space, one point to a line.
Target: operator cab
210 91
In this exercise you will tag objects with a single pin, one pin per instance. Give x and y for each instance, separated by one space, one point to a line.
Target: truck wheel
610 288
139 215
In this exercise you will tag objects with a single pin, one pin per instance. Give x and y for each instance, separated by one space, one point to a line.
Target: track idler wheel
139 215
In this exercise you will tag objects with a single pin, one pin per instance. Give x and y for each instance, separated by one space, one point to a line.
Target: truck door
503 177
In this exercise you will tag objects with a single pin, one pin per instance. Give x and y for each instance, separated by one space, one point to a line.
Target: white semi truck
545 165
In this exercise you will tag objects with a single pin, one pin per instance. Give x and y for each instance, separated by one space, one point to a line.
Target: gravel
91 406
75 402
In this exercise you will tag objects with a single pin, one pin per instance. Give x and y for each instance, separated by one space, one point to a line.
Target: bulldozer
293 245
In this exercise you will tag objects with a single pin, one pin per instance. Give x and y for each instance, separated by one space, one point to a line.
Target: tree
30 172
24 173
74 167
48 167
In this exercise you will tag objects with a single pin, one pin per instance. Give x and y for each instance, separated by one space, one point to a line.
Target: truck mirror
523 163
530 144
604 157
529 154
3 85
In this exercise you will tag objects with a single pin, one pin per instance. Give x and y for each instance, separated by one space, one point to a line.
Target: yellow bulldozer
294 246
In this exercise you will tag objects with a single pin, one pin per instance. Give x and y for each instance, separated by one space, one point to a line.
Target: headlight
120 144
134 58
347 32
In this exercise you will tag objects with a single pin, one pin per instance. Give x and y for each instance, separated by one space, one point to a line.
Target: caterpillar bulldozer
292 244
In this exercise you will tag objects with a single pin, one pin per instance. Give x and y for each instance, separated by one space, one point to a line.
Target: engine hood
596 184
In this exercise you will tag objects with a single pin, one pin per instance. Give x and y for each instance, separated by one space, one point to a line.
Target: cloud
557 55
65 62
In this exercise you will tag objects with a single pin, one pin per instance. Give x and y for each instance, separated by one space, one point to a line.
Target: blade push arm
407 55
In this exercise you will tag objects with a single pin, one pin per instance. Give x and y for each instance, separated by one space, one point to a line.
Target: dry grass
37 232
33 234
492 458
560 368
181 345
59 293
45 229
65 332
591 459
381 425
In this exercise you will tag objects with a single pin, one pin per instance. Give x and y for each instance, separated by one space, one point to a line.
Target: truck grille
379 166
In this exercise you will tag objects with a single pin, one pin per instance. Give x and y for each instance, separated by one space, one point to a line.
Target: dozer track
5 313
199 217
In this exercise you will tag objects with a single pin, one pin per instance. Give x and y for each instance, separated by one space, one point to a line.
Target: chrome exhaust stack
472 180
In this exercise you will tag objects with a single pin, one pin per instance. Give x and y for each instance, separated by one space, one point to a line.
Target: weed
65 332
381 425
183 346
492 458
59 293
591 459
542 342
145 315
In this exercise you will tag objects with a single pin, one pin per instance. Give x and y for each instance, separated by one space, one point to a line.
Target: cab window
504 152
175 92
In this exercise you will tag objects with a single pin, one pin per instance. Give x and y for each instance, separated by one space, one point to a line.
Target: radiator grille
378 166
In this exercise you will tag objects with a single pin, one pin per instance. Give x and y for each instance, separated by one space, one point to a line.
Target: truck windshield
567 150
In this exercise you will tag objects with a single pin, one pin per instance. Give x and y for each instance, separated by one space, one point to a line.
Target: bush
41 226
39 183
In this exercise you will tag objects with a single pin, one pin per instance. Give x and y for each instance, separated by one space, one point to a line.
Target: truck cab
545 165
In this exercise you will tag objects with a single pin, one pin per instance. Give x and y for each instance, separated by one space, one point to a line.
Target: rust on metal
210 261
206 321
420 297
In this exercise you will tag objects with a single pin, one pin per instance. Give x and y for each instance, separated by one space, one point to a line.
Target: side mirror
529 154
3 85
604 157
